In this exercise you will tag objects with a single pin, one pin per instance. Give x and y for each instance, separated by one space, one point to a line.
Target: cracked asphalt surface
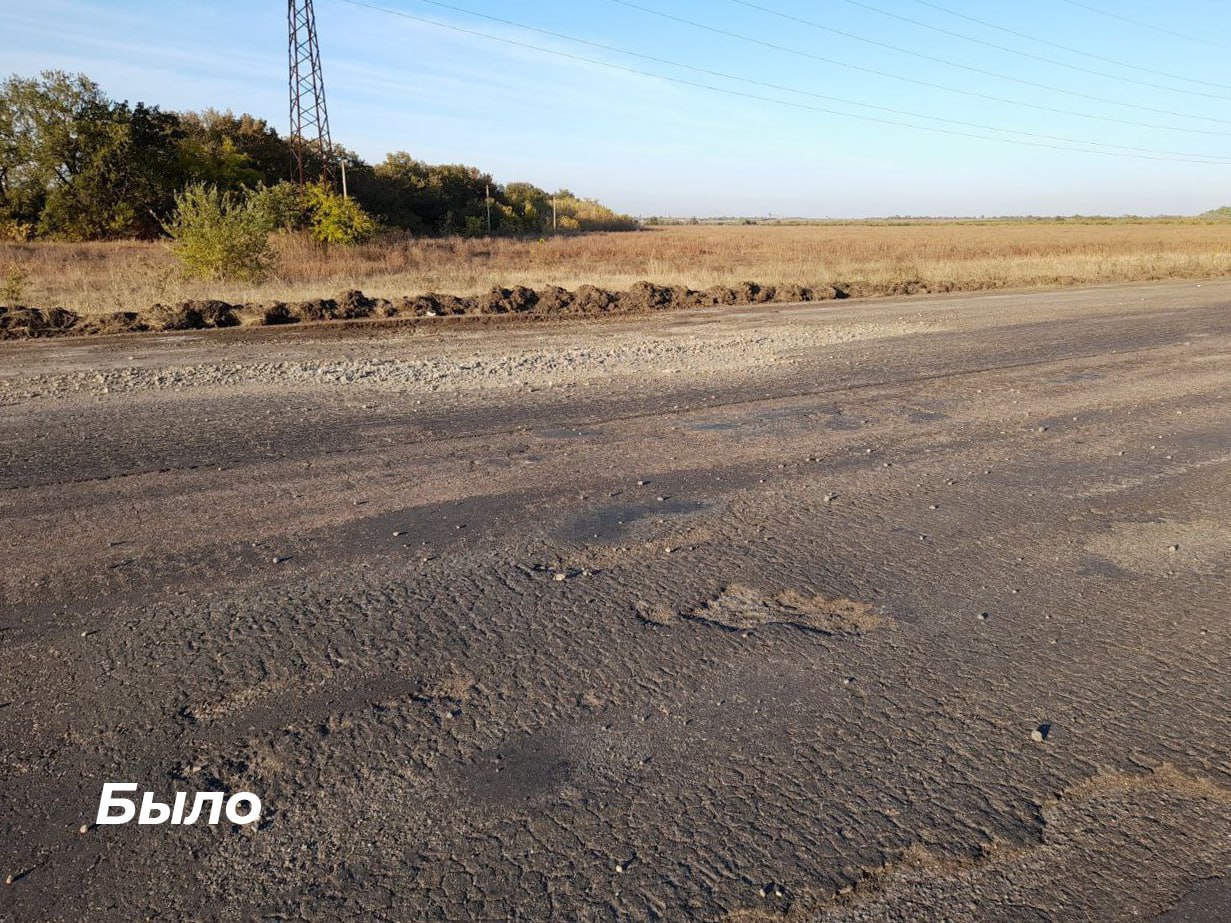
732 614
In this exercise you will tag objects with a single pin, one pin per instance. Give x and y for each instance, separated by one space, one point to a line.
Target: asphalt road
734 614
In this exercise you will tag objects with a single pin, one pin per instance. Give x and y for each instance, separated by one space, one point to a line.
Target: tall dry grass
125 276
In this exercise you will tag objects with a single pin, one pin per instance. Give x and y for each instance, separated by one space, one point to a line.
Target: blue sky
646 144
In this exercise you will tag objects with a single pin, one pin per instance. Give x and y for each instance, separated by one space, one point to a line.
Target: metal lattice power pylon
310 142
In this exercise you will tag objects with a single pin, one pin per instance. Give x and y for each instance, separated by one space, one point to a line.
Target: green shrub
282 206
14 285
221 235
333 219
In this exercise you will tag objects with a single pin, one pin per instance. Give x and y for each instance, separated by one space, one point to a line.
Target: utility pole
487 194
309 118
554 225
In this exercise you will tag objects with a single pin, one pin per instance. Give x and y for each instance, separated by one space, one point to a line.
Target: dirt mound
277 313
193 315
433 305
554 300
115 322
591 300
642 298
19 322
353 305
646 296
516 300
751 293
316 310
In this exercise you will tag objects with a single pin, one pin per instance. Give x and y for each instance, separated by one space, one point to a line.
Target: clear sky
647 145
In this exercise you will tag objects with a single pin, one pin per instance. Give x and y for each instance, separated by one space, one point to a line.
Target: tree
40 120
81 166
527 209
333 219
123 177
232 151
76 164
408 193
590 215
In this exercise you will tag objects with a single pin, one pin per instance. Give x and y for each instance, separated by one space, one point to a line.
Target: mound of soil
642 298
193 315
646 296
433 305
115 322
517 300
317 310
591 300
19 322
277 313
554 300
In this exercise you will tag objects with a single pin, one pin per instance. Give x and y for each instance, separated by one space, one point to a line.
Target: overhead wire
1090 147
1045 60
918 54
1146 25
795 90
973 94
1062 47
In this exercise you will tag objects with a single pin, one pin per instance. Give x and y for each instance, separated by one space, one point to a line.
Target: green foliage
75 164
219 234
282 206
590 215
1223 213
230 151
38 149
79 166
333 219
423 198
14 285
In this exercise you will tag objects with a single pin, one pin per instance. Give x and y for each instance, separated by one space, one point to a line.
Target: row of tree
77 165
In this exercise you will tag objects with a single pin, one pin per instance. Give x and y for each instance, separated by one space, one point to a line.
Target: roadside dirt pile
19 321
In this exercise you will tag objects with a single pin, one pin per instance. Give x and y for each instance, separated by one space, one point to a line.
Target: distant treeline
77 165
1213 216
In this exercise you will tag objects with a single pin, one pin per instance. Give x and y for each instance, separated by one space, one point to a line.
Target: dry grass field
870 258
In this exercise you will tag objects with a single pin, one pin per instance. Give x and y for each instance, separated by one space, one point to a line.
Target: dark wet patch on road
520 770
1093 566
926 416
1209 902
1084 376
613 522
784 415
802 417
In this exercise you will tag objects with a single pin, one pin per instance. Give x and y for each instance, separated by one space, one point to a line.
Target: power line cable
1129 152
1147 25
1043 41
918 54
1035 57
974 94
801 92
